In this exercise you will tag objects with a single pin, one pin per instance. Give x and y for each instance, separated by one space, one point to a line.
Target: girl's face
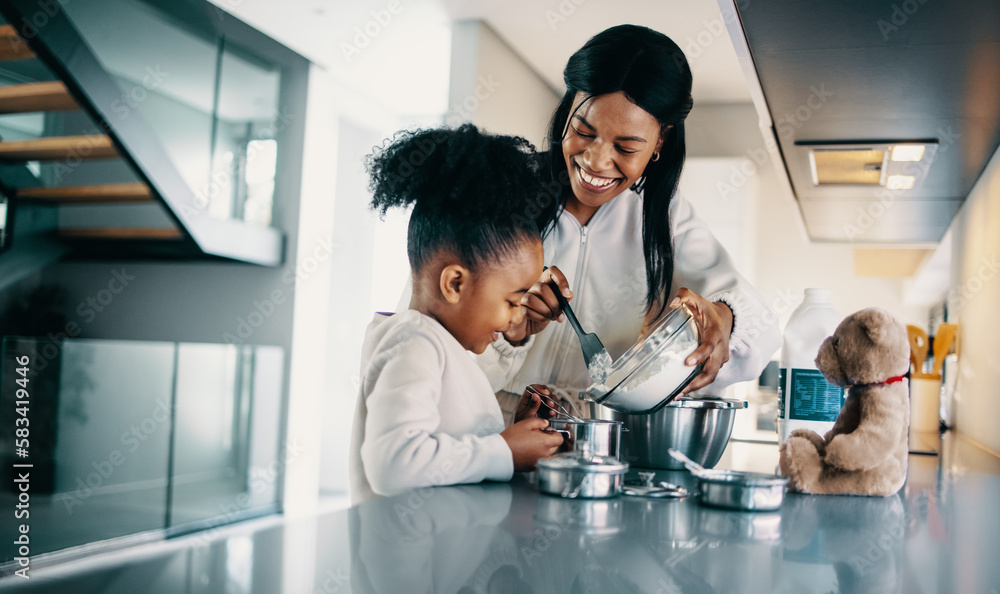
607 144
493 302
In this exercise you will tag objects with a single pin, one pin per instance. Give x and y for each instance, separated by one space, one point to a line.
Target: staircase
155 214
51 96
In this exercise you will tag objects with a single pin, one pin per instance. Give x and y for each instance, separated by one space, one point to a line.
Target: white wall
972 304
732 215
494 88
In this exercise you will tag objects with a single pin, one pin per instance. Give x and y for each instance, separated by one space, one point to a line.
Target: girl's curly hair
477 195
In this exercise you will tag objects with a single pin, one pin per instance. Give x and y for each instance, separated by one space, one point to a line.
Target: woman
623 247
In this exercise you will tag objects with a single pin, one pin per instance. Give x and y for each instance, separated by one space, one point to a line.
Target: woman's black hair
653 73
472 193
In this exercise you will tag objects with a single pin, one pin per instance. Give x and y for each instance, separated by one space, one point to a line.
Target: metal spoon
695 468
645 487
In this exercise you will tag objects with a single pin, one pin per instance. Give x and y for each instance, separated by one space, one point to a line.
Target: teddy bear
865 452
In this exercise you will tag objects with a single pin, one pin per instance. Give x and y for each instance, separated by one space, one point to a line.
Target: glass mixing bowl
652 372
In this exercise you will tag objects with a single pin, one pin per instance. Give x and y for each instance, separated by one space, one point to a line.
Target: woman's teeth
599 182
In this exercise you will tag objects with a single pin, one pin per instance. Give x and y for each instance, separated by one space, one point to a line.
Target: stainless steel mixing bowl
698 428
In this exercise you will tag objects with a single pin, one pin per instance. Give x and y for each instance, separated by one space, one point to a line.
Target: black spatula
596 356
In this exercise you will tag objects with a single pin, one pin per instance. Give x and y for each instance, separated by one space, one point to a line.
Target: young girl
427 414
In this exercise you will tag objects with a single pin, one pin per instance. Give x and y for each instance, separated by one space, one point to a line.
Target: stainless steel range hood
857 76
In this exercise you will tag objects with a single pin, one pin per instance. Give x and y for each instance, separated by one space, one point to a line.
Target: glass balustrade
212 104
127 437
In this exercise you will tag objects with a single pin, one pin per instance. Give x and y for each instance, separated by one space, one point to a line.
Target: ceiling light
847 166
896 164
907 152
900 182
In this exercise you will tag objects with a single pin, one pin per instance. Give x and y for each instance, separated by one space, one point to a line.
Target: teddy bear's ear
875 323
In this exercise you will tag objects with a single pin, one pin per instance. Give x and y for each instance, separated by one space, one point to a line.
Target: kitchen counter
941 533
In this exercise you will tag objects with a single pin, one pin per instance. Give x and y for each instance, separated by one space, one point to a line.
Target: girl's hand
528 443
541 305
715 324
530 404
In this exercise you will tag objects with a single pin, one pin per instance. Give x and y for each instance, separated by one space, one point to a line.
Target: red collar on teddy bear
891 380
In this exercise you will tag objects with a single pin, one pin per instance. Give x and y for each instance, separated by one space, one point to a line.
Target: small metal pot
581 474
604 436
732 489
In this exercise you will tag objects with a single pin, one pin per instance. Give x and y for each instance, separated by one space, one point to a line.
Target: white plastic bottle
805 399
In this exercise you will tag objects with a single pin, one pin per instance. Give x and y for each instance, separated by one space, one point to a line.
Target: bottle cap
818 294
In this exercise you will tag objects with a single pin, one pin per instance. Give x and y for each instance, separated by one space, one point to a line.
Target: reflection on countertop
939 534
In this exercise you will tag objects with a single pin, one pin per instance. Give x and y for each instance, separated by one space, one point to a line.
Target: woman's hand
531 402
715 324
541 305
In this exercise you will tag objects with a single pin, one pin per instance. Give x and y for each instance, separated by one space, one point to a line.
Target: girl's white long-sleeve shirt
603 262
426 413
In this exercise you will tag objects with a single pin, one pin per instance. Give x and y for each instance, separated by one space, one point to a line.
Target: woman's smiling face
607 144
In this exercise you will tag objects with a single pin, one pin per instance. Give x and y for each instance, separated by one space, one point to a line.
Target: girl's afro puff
477 195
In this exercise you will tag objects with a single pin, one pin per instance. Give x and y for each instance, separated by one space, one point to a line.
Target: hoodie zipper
583 254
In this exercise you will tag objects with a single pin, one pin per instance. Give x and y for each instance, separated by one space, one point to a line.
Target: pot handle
565 432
